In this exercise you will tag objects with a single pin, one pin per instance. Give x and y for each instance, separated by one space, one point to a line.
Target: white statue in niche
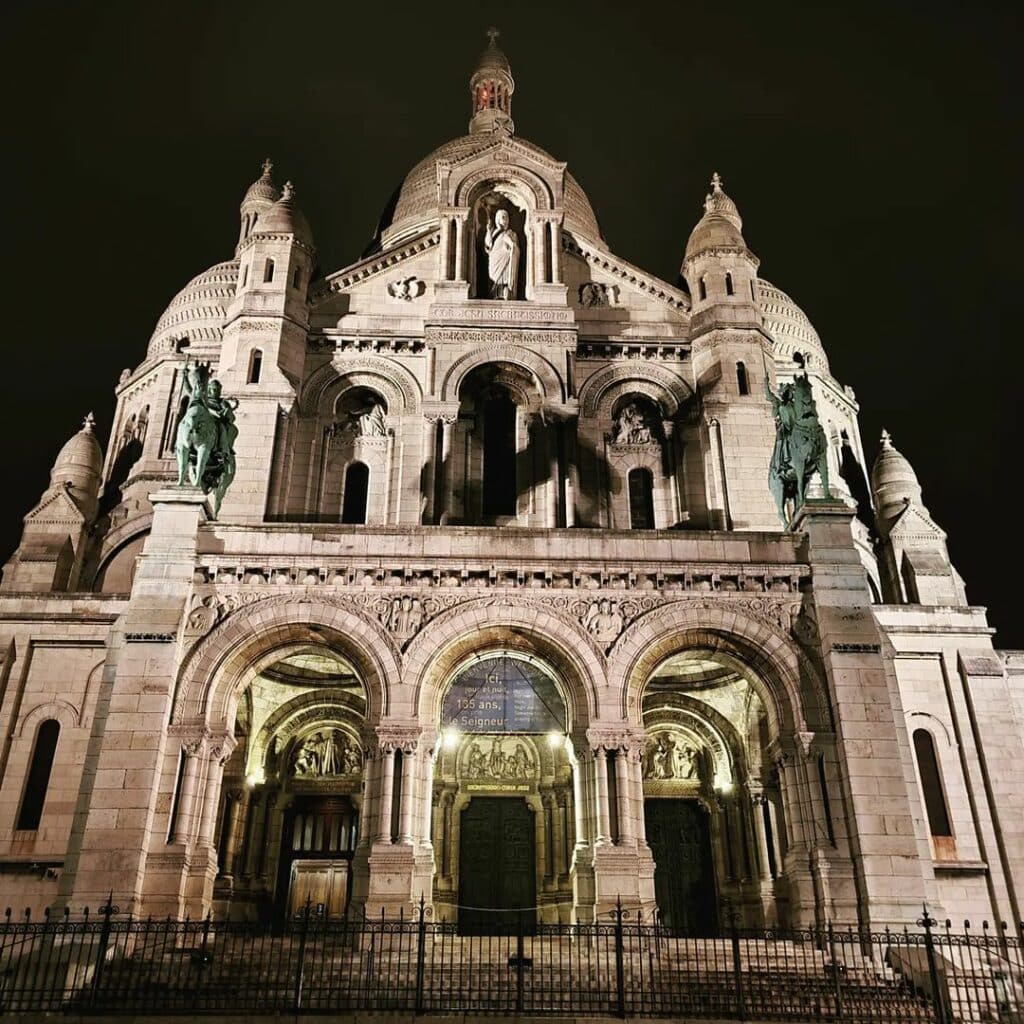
370 422
502 249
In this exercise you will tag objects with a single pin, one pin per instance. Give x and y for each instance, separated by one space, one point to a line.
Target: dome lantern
491 86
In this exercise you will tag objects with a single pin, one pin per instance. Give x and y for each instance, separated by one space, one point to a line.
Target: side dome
894 482
788 324
79 464
417 208
198 311
285 218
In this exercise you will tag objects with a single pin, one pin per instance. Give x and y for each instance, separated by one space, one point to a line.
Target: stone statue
502 249
800 445
603 620
476 766
206 434
631 426
370 422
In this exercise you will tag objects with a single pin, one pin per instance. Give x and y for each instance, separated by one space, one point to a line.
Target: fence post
520 952
300 967
928 922
737 965
837 969
108 910
620 968
421 953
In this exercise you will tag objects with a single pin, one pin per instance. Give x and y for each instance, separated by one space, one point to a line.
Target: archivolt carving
395 384
546 376
463 191
600 391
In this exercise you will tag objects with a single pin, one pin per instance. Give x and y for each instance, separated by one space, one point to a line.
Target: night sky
874 152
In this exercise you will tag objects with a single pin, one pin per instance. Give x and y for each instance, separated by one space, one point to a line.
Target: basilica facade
493 604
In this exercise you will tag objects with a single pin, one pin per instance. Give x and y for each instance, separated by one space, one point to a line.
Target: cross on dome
716 182
886 438
492 36
89 422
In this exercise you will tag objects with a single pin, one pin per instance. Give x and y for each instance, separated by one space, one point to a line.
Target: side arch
398 387
548 381
466 190
600 390
251 638
790 687
66 714
480 625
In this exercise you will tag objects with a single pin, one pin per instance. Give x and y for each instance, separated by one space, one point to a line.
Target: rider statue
205 439
800 445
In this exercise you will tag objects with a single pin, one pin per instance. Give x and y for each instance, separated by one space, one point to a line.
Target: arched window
31 811
729 289
255 366
931 784
357 488
499 484
268 271
702 283
641 499
741 379
297 278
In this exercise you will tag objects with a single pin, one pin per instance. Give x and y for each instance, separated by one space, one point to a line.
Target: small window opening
931 783
703 288
297 278
826 804
499 483
255 367
268 271
357 482
741 379
753 293
729 289
641 499
38 780
245 275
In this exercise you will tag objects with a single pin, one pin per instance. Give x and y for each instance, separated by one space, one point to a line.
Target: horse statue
801 448
205 439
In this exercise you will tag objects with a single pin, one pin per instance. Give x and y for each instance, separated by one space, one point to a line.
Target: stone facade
554 490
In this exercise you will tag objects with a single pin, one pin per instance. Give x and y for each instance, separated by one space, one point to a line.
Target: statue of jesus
502 257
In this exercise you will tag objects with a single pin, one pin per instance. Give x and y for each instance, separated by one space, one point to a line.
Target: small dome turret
259 197
894 483
284 217
721 226
79 464
491 85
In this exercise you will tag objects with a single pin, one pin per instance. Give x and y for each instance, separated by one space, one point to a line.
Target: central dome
416 206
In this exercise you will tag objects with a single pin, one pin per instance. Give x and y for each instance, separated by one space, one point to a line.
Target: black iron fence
620 966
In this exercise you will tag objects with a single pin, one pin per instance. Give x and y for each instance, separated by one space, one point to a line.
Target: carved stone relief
328 752
498 759
405 289
593 294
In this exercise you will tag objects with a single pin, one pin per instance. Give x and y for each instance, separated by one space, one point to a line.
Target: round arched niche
499 231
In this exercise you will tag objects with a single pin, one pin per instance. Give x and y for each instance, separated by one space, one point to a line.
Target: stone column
234 816
558 865
446 469
604 824
764 870
637 777
624 795
428 798
211 798
408 795
183 824
386 788
555 233
460 247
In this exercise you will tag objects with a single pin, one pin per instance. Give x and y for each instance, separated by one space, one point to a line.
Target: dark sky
874 151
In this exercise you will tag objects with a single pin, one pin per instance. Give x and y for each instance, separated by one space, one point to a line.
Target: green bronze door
679 835
497 867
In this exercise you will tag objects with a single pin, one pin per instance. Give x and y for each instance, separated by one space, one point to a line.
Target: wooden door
497 867
679 834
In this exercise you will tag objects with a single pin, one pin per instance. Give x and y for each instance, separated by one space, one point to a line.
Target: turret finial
268 166
716 182
89 422
492 36
886 438
287 192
